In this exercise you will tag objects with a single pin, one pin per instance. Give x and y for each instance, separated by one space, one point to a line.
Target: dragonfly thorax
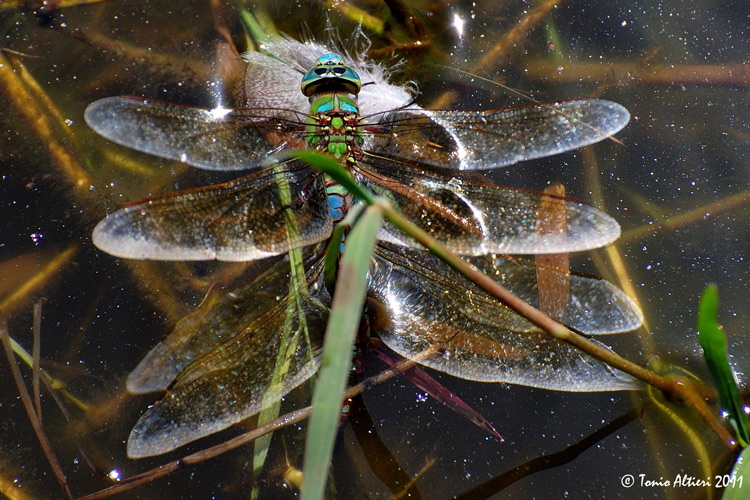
334 114
333 123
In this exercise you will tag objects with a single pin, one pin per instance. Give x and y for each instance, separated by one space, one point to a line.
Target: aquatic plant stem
541 320
43 124
668 223
675 388
623 72
688 392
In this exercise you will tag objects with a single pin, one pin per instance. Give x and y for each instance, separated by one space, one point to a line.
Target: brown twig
737 74
686 390
511 42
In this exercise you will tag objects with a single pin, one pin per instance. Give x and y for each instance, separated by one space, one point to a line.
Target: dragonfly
219 364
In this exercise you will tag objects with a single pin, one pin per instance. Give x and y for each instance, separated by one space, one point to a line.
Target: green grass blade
257 26
736 489
331 262
343 322
714 344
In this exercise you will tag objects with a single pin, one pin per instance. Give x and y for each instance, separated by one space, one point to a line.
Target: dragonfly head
330 74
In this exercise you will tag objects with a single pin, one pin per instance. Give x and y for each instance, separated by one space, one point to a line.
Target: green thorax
334 114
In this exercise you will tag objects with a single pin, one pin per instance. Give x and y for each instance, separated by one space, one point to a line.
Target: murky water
677 187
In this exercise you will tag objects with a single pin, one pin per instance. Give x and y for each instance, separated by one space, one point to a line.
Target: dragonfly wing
226 354
478 140
421 303
218 319
253 217
220 139
272 82
477 219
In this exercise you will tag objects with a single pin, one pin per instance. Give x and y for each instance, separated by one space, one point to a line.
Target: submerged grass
346 313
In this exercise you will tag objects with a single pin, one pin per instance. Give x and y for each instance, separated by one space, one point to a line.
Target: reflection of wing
477 219
476 140
241 220
225 353
423 303
236 139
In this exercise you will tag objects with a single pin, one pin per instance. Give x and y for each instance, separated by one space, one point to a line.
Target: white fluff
274 81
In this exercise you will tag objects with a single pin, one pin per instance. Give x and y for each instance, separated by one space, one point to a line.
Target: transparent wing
223 355
270 82
253 217
477 219
477 140
593 306
225 140
421 303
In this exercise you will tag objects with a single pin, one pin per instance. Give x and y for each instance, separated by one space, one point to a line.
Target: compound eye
339 71
320 71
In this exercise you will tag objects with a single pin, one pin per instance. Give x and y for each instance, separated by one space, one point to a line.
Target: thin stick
549 325
243 439
35 357
29 406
